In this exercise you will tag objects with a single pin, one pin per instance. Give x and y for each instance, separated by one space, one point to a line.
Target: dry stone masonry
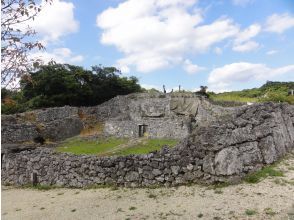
156 116
218 144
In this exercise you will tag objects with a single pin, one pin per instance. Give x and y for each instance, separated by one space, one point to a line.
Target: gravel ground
272 198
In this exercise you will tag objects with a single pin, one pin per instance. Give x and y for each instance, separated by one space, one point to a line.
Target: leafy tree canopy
62 84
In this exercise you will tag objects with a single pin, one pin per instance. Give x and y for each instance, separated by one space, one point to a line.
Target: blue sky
224 44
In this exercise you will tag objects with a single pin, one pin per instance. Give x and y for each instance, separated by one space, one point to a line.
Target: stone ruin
217 144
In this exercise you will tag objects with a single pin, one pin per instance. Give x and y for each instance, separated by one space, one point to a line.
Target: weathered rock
225 149
156 172
132 176
227 162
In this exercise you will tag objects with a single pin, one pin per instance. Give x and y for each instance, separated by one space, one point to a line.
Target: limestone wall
27 130
156 128
51 123
169 115
166 115
225 150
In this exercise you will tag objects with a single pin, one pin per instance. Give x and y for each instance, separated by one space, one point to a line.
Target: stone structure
163 116
225 149
157 115
21 131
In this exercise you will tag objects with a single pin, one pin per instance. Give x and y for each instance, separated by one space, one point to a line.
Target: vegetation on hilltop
59 85
271 91
62 84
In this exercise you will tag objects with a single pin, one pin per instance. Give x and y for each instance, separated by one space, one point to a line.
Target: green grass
263 173
231 97
132 208
269 211
79 146
148 146
271 91
110 146
250 212
41 187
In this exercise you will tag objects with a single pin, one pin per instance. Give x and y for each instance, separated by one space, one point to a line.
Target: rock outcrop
224 150
251 137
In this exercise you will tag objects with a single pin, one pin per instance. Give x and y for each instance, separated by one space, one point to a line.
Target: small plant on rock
250 212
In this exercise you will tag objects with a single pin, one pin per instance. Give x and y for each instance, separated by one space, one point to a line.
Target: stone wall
156 128
224 150
51 123
21 131
166 115
27 130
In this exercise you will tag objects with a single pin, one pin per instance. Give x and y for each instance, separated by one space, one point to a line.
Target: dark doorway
142 130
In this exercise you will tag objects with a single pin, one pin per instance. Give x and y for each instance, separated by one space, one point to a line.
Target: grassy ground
113 146
263 173
80 146
147 146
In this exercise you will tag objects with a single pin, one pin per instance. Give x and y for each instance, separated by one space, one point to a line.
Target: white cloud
245 47
55 20
59 55
191 68
223 78
207 35
279 23
218 51
156 34
242 43
124 69
250 32
242 2
271 52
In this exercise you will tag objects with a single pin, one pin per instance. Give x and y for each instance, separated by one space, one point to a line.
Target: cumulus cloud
59 55
243 42
55 20
191 68
245 47
279 23
156 34
222 78
248 33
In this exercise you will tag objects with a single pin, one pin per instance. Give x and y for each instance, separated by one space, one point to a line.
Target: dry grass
92 130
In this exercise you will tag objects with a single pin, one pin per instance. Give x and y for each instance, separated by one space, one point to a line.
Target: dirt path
273 198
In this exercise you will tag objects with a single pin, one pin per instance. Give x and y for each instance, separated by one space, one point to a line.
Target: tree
16 39
203 89
62 84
